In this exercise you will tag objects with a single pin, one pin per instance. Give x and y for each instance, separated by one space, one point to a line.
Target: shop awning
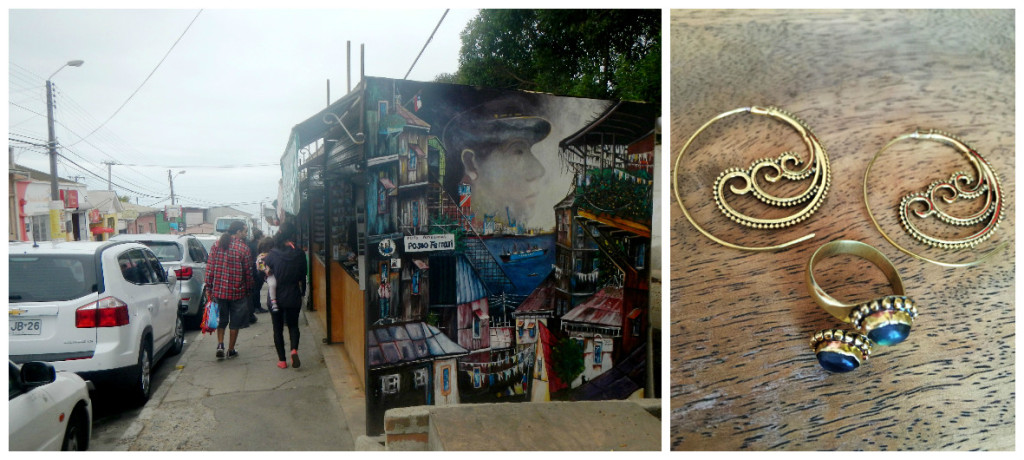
98 230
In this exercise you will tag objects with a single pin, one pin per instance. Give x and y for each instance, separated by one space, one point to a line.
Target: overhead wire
147 77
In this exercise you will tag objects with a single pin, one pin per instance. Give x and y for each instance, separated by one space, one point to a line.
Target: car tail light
106 312
183 273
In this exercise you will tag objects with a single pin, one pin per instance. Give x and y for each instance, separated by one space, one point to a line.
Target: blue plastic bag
211 317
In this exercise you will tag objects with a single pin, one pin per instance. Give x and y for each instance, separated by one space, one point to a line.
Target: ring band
855 248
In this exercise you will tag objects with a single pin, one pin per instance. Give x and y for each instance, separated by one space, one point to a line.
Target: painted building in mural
491 233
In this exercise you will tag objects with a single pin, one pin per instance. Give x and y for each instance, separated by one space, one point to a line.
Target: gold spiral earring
960 186
787 165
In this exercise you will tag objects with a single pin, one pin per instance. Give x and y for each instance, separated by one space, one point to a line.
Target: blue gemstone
890 334
837 362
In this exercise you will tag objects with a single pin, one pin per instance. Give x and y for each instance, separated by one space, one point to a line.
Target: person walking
257 276
229 281
264 248
288 265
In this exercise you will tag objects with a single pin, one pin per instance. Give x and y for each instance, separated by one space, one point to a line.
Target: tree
606 54
567 359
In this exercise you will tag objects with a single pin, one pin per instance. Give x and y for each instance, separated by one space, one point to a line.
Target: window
160 275
476 327
389 384
135 268
446 380
416 281
412 160
419 378
598 348
415 214
641 252
477 378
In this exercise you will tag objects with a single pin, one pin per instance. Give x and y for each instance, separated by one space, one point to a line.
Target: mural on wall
508 235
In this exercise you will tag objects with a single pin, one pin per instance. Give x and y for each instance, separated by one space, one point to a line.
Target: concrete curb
347 385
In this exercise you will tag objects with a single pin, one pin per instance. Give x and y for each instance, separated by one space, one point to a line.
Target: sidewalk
347 384
248 403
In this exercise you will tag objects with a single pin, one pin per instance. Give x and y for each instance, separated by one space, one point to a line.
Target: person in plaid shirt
229 281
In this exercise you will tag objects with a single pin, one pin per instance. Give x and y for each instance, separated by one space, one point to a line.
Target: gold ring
883 321
785 166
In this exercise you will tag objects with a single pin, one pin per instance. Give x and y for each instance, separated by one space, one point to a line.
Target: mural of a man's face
505 176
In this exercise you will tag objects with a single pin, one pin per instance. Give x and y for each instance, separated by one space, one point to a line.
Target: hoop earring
884 321
958 186
785 166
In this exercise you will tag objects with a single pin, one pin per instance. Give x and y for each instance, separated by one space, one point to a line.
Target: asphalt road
200 403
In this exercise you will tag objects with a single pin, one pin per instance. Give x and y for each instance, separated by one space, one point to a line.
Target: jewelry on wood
884 321
788 165
960 186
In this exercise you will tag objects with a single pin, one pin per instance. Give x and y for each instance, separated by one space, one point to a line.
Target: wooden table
742 373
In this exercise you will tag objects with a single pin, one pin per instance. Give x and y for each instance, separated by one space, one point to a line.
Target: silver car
184 256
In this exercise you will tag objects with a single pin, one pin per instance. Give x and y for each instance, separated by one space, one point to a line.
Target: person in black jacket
288 265
257 276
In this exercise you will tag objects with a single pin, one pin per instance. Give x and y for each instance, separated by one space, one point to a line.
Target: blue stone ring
884 321
840 351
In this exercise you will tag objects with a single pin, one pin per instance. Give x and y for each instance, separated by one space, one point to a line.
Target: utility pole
56 206
109 164
170 180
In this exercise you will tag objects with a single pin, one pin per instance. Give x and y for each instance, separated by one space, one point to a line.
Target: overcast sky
227 94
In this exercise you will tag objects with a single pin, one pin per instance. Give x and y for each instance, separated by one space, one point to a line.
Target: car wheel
178 342
143 382
76 435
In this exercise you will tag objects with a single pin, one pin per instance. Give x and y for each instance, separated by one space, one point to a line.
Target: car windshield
225 224
50 277
166 251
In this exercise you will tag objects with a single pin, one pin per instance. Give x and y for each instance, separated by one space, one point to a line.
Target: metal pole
170 180
328 92
52 143
348 65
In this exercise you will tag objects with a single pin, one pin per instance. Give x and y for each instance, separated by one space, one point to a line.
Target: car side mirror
37 373
171 279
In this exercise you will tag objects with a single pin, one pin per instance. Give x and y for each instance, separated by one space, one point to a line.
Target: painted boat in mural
519 254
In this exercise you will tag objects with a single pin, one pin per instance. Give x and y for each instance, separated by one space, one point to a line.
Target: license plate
26 326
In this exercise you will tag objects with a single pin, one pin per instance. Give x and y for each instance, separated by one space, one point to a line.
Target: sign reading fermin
421 243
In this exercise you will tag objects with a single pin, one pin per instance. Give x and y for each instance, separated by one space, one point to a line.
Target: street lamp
55 205
170 180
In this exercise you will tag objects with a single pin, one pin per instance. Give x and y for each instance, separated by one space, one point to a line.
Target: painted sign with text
422 243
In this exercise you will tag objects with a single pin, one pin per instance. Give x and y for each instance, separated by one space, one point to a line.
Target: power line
251 165
431 37
147 77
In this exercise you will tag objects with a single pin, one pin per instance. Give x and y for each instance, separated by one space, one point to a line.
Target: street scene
210 249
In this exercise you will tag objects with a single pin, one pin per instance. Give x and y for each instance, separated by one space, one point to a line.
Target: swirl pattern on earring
840 351
788 166
960 186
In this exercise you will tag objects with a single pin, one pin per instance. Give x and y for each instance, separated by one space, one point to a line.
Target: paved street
241 404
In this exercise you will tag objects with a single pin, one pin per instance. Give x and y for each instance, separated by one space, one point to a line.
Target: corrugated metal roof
409 342
468 286
411 119
603 309
541 300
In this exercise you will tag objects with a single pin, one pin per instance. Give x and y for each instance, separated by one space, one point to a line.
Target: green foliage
605 54
567 359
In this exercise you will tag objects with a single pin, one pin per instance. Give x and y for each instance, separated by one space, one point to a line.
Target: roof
57 247
105 200
407 343
622 123
148 237
468 286
540 301
410 119
316 127
34 174
137 207
603 308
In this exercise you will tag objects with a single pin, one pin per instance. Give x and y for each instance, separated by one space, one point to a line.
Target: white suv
104 310
186 257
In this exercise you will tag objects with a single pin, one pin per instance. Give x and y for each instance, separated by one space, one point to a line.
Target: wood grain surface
742 373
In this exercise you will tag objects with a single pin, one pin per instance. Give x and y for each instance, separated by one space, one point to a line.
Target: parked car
207 241
47 410
106 311
186 257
